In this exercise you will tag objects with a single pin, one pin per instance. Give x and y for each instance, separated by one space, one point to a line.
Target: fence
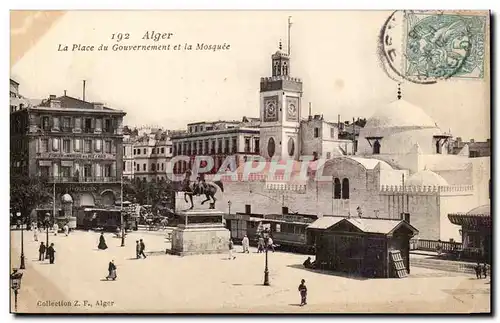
432 245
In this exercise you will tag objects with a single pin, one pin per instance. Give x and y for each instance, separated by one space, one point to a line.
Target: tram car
106 219
288 231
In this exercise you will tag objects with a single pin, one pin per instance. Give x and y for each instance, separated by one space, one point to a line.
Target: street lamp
23 266
121 212
266 270
229 204
47 223
15 284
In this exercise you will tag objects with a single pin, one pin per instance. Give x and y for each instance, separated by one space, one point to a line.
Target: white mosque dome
426 178
66 198
398 115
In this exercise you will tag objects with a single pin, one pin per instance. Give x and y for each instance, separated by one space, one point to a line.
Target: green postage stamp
440 46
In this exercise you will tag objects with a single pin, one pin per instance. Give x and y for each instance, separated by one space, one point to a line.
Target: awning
471 220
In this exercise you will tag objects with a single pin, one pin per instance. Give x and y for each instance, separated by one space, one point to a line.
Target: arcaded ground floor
213 284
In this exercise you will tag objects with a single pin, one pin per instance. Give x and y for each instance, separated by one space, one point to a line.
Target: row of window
137 167
76 145
68 123
155 150
214 146
87 170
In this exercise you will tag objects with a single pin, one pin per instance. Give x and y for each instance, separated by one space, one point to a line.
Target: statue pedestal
200 232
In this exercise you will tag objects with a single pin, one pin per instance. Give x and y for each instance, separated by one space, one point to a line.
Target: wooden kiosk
376 248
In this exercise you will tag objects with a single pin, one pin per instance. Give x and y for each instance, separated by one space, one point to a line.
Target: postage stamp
440 46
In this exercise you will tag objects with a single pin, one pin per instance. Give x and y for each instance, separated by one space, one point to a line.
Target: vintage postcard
250 162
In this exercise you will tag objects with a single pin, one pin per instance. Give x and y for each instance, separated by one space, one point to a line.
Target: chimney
284 210
310 109
248 209
405 217
317 117
52 97
83 90
472 141
64 92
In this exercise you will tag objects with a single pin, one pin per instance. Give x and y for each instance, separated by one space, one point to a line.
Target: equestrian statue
200 187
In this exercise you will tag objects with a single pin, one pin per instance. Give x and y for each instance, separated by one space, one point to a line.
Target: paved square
212 283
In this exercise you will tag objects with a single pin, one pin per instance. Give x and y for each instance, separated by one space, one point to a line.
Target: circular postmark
424 47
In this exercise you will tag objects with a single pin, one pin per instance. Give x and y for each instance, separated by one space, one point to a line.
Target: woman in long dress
111 271
102 243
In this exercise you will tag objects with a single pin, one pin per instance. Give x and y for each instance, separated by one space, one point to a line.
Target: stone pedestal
200 232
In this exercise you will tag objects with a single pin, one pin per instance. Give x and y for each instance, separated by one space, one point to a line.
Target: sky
333 52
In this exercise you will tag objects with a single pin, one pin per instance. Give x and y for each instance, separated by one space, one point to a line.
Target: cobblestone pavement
212 284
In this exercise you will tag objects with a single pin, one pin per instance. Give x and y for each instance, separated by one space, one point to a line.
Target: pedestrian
485 270
56 228
270 243
245 243
137 249
51 253
303 292
231 246
477 268
111 270
142 248
102 242
260 247
35 234
66 229
41 252
33 226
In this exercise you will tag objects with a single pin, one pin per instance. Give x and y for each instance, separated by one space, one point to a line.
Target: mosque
398 164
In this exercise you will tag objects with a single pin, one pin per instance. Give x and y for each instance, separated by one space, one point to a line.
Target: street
210 283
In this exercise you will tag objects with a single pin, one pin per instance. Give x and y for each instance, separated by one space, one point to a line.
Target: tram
287 230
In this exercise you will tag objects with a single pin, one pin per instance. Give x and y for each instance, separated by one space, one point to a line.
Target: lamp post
22 266
15 284
266 270
229 203
47 223
121 212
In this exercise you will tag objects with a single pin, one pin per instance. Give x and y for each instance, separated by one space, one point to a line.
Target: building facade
74 146
218 140
147 153
472 148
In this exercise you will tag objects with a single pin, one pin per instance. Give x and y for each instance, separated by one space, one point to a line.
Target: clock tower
280 105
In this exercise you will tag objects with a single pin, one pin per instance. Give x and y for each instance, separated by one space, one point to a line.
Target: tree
158 194
27 193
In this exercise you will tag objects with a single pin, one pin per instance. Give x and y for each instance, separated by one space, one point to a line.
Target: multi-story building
73 145
217 139
147 152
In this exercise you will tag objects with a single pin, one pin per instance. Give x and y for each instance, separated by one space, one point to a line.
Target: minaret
280 107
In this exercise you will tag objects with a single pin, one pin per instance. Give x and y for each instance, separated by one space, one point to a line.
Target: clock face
292 108
271 109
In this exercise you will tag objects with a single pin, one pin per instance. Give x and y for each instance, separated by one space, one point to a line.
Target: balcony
88 130
66 129
81 179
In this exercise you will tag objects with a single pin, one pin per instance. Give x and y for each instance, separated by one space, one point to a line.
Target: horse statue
201 188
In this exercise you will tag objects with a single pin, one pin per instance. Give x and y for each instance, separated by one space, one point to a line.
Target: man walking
35 234
270 243
41 252
231 246
142 247
66 229
246 243
260 247
137 249
52 253
303 292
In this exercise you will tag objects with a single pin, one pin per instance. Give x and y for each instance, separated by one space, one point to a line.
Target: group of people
55 228
44 252
481 270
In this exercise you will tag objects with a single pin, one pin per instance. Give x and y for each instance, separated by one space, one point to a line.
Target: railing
66 129
82 179
88 130
432 245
